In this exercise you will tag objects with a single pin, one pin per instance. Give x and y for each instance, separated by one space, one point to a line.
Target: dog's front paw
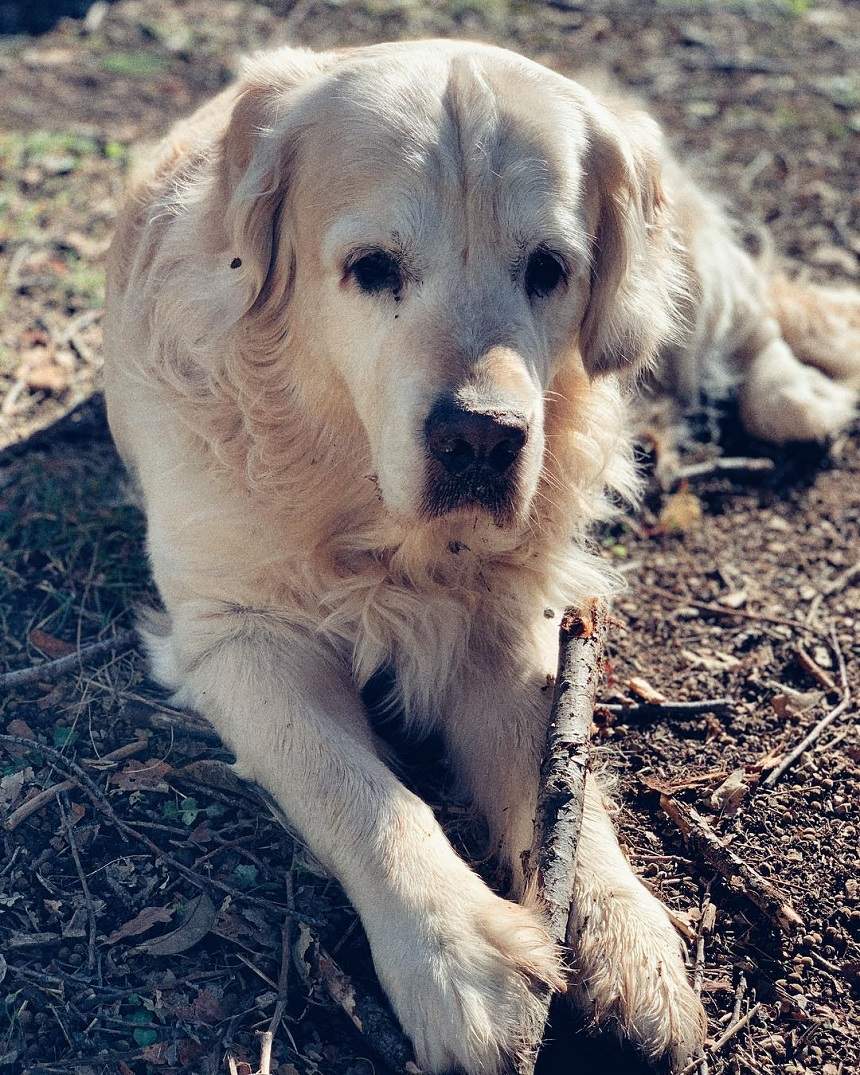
629 977
465 981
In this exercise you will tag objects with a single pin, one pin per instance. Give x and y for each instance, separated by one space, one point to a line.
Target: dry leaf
19 727
681 512
147 918
12 786
199 919
156 1054
640 686
45 375
681 920
204 1010
789 703
142 776
49 645
728 797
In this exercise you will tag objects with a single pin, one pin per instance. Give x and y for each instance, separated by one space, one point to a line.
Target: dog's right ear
225 253
255 160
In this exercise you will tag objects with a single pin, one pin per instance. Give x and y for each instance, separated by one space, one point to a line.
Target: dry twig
63 804
37 801
726 1036
706 927
668 709
791 757
551 863
62 665
722 465
725 610
821 676
286 950
740 877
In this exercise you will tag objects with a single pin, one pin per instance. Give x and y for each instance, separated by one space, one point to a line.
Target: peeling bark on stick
561 795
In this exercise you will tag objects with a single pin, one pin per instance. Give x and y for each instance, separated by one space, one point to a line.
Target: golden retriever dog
372 320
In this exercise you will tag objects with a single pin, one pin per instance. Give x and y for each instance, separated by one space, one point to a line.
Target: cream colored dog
371 318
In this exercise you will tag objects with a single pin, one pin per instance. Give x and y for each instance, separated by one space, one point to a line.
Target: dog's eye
544 272
377 271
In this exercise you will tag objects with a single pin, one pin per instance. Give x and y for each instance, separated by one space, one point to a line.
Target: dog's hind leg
821 325
791 350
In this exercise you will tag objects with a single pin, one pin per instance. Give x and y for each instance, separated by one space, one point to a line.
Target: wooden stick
722 465
740 877
668 709
122 640
561 796
286 953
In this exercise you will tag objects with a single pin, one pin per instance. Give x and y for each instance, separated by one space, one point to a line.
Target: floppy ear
225 253
253 171
637 275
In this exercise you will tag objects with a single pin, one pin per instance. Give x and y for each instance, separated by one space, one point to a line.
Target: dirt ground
146 905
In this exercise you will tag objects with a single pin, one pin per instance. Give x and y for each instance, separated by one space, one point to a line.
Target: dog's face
436 248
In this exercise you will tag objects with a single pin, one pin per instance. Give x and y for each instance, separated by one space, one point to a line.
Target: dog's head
437 230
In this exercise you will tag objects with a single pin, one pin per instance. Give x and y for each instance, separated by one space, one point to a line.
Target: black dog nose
460 438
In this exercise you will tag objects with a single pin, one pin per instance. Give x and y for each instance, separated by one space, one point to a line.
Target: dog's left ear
637 276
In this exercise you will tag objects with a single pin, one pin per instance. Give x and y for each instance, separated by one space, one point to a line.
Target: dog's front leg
458 963
627 965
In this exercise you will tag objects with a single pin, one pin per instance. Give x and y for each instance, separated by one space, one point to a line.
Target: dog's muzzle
473 454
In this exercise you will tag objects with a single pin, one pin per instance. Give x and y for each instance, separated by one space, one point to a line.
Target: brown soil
766 98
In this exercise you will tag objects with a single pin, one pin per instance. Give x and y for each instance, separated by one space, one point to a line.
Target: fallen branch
551 862
722 465
707 922
668 709
741 878
791 757
62 665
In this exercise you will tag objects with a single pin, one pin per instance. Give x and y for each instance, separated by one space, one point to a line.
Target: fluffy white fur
273 413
